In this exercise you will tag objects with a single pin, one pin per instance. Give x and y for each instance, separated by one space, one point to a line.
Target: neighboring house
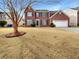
78 17
9 21
2 16
77 14
44 18
73 16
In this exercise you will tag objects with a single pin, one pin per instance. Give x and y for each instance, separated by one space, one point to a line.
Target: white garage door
61 23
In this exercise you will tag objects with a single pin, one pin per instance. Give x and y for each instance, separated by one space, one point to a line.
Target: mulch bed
10 35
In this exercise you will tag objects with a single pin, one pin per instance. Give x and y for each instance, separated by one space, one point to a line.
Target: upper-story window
29 14
44 14
37 14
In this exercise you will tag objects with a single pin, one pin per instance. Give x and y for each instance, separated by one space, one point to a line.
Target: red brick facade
60 16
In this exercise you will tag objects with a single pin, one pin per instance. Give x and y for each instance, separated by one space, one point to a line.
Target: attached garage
60 23
59 19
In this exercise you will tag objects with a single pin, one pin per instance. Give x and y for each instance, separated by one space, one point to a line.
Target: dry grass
39 43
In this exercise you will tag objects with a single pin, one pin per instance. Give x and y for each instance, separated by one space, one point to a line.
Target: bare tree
14 10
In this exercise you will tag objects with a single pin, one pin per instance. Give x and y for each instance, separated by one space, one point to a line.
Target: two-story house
39 17
43 18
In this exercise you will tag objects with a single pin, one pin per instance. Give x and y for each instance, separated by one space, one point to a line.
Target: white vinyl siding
29 22
44 22
2 17
72 14
29 14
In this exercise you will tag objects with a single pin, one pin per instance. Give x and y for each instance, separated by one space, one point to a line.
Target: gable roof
29 9
52 13
59 16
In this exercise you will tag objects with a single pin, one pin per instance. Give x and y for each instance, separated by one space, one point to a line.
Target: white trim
54 15
57 13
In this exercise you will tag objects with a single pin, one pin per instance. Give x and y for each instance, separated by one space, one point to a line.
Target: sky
58 4
54 4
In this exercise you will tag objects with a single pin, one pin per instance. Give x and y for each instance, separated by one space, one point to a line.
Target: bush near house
52 25
3 23
78 24
33 25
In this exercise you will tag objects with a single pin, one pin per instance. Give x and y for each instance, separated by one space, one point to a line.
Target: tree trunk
15 27
16 33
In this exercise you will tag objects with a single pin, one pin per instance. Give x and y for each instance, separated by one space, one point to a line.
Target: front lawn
39 43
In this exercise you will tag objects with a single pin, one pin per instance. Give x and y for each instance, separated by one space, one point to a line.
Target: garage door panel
61 23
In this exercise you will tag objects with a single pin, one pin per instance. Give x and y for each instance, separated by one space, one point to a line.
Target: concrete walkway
76 29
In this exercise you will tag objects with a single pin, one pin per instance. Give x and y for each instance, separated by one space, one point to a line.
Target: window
29 22
29 14
2 17
37 14
43 14
40 14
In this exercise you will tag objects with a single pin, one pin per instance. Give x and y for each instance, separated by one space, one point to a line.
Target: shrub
33 25
52 25
78 24
3 23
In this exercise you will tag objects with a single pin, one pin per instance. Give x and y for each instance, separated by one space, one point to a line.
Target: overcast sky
55 4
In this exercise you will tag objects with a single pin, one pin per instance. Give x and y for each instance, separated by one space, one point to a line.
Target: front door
37 22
